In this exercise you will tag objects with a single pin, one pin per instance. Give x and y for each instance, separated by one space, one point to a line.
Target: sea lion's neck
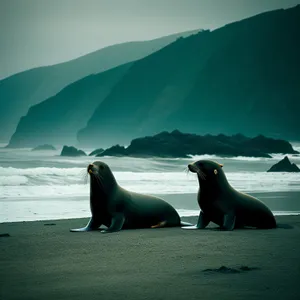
102 187
214 185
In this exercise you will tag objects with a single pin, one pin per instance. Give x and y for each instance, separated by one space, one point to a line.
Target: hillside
243 77
58 119
20 91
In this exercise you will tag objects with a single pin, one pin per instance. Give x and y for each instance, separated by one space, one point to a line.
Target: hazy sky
44 32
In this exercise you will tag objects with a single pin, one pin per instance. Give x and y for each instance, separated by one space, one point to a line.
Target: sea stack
71 151
96 152
284 166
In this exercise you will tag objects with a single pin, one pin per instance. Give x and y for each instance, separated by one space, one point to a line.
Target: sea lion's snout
91 168
192 168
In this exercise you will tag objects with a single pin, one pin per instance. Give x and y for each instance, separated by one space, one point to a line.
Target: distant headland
178 144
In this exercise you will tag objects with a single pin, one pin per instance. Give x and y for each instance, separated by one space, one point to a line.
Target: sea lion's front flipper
92 225
203 221
229 222
117 223
185 224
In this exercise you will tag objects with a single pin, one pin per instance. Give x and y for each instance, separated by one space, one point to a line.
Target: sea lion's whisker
201 174
186 170
85 178
100 182
100 176
81 175
83 172
101 179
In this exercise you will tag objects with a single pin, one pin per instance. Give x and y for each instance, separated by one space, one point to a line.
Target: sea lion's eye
215 171
101 167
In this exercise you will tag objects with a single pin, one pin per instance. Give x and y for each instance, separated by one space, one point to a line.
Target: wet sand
40 260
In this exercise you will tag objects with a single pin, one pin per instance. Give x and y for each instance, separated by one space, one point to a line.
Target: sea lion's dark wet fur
222 204
117 208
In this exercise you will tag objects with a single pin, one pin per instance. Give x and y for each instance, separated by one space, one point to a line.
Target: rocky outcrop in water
71 151
284 166
116 150
178 144
96 152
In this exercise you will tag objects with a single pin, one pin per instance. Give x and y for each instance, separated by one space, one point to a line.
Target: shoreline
191 219
183 217
25 210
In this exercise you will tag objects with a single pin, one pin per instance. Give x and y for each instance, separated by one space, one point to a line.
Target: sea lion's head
207 170
97 167
101 175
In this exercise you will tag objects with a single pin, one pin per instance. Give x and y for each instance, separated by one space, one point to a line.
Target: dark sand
49 262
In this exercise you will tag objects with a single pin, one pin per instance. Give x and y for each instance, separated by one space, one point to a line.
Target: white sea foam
39 171
13 180
40 182
286 213
187 212
218 158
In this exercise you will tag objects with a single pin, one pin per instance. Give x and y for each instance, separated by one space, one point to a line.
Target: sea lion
220 203
117 208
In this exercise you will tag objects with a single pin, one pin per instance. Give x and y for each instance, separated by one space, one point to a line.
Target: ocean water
41 185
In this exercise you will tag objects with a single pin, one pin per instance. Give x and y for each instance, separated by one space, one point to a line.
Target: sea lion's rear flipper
92 225
160 224
203 221
117 223
229 222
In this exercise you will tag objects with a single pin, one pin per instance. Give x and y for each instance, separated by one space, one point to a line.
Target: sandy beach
40 260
